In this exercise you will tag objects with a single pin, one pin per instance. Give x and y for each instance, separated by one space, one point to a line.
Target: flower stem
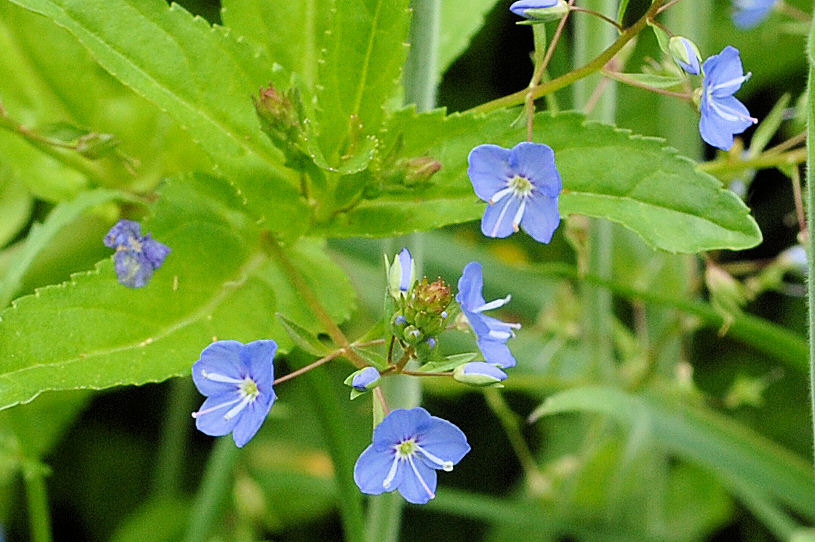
511 423
37 498
764 160
631 82
595 65
599 16
591 35
213 491
303 288
310 366
810 242
173 437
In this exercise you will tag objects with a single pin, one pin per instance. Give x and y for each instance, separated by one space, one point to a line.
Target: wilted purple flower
521 187
237 380
491 334
408 447
137 255
722 114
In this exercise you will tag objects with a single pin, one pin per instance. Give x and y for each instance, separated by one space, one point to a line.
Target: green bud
479 373
420 169
542 15
686 54
433 297
401 274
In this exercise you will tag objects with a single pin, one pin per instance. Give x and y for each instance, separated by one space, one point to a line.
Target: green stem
518 98
510 421
301 285
811 219
173 438
213 491
331 414
422 62
591 35
765 160
37 497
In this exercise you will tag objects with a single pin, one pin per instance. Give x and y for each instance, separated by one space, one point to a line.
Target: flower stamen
446 465
421 480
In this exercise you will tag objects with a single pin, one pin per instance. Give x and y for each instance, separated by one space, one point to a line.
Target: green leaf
607 173
200 75
655 81
16 205
449 363
290 33
735 454
359 73
95 333
459 23
41 234
302 338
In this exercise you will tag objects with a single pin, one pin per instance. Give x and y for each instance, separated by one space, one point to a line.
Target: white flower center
406 450
247 391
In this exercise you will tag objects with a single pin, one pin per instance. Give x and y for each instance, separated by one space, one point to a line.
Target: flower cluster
137 255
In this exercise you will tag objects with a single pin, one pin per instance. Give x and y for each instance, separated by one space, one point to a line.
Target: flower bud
686 54
540 10
401 274
433 297
479 373
420 169
364 380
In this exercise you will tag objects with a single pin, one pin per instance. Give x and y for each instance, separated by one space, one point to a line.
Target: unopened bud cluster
423 313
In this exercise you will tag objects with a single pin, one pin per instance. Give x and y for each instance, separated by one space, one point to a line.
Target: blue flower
722 114
686 54
136 256
491 334
478 373
365 379
749 13
408 447
520 7
521 187
401 273
237 380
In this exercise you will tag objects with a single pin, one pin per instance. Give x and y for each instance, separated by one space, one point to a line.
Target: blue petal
488 170
497 220
371 469
411 488
406 266
749 13
131 269
444 440
251 418
401 424
469 287
214 423
121 233
520 7
541 218
717 130
496 351
257 357
154 252
221 357
482 368
536 162
723 68
365 378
